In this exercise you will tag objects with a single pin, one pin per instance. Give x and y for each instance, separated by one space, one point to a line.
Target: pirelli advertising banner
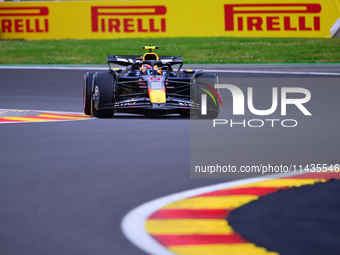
148 18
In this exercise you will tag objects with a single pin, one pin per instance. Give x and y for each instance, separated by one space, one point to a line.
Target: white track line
43 111
133 223
85 68
272 72
55 67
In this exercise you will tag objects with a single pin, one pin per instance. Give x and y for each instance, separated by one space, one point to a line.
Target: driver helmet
147 69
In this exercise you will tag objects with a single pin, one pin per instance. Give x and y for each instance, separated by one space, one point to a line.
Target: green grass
193 50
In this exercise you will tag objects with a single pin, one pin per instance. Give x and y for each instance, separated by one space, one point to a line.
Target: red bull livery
151 87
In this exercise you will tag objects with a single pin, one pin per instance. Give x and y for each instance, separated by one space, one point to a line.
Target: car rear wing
126 60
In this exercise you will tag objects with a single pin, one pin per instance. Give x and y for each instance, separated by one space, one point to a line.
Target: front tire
104 89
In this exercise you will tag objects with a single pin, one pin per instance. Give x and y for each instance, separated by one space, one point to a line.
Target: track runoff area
194 221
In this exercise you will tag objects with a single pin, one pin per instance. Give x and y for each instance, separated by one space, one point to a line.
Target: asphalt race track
307 224
65 186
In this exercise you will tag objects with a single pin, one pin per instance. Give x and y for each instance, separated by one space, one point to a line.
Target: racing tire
105 83
213 105
87 92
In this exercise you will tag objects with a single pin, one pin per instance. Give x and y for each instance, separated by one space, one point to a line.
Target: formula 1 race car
150 86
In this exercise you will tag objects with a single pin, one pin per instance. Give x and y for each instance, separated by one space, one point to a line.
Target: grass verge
222 50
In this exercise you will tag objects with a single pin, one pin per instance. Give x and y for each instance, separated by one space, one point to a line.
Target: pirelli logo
24 19
128 19
272 17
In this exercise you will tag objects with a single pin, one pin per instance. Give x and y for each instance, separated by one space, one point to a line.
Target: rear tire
105 82
87 92
213 105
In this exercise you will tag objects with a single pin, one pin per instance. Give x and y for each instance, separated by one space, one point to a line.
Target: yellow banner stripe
221 249
188 226
93 19
219 202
